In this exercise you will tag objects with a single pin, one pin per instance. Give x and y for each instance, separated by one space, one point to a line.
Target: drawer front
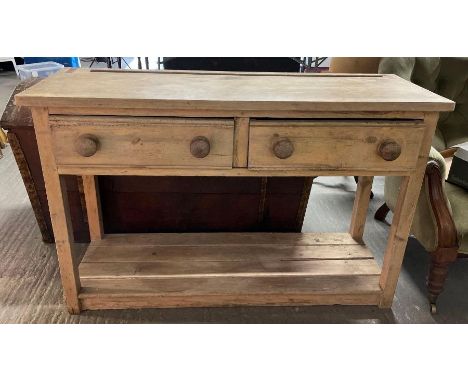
336 145
141 141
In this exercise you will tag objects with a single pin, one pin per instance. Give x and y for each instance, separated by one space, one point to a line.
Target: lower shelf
226 269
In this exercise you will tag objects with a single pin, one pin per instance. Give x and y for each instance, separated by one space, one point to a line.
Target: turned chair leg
382 212
447 237
441 259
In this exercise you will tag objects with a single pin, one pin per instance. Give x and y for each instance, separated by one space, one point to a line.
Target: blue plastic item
69 62
41 69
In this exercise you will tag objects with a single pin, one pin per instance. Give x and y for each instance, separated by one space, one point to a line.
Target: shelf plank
154 253
226 285
185 269
173 270
128 301
226 291
223 239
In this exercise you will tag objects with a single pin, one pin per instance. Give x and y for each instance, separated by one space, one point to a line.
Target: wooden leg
303 204
59 211
3 139
361 204
438 270
356 179
382 212
398 238
261 204
93 207
403 217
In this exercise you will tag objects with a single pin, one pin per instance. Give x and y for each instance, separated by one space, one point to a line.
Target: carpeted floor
30 290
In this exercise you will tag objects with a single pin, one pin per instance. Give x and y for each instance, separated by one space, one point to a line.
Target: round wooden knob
283 148
389 149
200 147
86 145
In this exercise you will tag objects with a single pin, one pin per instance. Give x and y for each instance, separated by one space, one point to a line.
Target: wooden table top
231 91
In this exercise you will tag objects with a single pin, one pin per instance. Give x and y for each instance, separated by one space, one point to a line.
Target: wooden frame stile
403 216
241 142
93 207
361 204
59 210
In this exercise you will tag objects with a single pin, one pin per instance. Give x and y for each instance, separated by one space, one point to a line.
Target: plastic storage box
41 69
69 62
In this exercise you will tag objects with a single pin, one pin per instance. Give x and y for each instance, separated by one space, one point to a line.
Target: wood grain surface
333 145
231 91
227 269
165 142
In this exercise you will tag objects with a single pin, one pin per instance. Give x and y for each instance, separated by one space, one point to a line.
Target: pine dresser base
91 123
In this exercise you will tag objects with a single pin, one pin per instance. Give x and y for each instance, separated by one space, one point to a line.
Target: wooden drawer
142 141
334 144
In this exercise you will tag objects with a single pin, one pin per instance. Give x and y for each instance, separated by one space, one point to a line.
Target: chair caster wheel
433 308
